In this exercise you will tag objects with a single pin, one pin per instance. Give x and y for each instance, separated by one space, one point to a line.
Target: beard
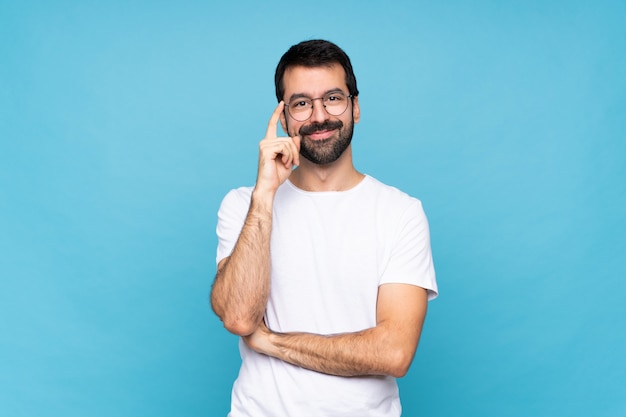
325 151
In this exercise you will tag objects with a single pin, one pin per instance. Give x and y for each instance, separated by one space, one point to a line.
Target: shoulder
235 204
398 211
389 196
237 196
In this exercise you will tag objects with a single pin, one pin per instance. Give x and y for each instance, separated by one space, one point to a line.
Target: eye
300 104
335 98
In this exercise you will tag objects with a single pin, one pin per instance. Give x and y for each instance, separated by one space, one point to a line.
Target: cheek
292 128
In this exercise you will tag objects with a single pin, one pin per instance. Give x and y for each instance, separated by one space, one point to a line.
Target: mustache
320 127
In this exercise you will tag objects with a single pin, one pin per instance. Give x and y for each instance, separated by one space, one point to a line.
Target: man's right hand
277 156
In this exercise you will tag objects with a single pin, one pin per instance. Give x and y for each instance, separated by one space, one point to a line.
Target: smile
321 135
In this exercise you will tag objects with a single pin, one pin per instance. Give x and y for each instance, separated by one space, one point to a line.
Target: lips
321 135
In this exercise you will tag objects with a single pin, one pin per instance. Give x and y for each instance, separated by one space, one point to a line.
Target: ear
356 109
283 122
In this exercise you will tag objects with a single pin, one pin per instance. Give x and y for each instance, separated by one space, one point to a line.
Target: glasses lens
335 103
300 108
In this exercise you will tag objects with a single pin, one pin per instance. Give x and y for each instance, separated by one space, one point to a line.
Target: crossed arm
386 349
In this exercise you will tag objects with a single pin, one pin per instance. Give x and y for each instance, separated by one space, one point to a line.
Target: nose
319 112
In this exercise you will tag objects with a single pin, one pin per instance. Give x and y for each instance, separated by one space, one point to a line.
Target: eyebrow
302 95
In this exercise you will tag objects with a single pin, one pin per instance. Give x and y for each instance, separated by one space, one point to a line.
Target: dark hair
314 53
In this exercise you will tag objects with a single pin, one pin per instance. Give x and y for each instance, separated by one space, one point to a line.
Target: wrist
263 199
272 345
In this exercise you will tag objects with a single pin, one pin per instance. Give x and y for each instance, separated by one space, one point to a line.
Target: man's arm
242 283
386 349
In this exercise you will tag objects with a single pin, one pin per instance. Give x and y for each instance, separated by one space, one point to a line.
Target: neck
337 176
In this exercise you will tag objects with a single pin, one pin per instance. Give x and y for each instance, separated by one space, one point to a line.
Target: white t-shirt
330 251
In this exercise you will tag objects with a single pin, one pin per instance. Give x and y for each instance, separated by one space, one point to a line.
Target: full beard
325 151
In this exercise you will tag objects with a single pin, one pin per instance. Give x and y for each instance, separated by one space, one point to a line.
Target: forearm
344 355
386 349
241 288
373 351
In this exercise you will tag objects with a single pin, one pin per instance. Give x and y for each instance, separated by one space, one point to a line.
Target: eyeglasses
334 102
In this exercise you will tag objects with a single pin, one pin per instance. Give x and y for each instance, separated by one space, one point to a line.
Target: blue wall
122 125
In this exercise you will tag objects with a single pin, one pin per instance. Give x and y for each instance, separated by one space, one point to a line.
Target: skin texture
242 283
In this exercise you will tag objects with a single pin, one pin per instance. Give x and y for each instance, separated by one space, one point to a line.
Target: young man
323 271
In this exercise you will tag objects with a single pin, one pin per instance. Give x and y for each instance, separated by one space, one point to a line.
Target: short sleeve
230 219
410 260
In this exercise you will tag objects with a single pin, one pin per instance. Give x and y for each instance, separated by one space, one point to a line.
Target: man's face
324 137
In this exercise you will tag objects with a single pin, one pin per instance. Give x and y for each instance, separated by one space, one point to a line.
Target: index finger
272 127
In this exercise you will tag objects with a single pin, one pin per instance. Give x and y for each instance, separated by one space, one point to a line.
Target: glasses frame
349 96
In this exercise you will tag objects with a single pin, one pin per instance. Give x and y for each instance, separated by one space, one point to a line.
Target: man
323 271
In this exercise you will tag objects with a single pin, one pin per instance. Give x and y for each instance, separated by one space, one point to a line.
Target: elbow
399 372
240 327
234 324
233 321
400 362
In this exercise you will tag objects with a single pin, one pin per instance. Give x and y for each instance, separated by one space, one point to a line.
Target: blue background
123 124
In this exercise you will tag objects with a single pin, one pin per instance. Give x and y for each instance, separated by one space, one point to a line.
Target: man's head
315 53
317 83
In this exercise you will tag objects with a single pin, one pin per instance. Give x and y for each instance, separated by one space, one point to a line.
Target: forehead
314 81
